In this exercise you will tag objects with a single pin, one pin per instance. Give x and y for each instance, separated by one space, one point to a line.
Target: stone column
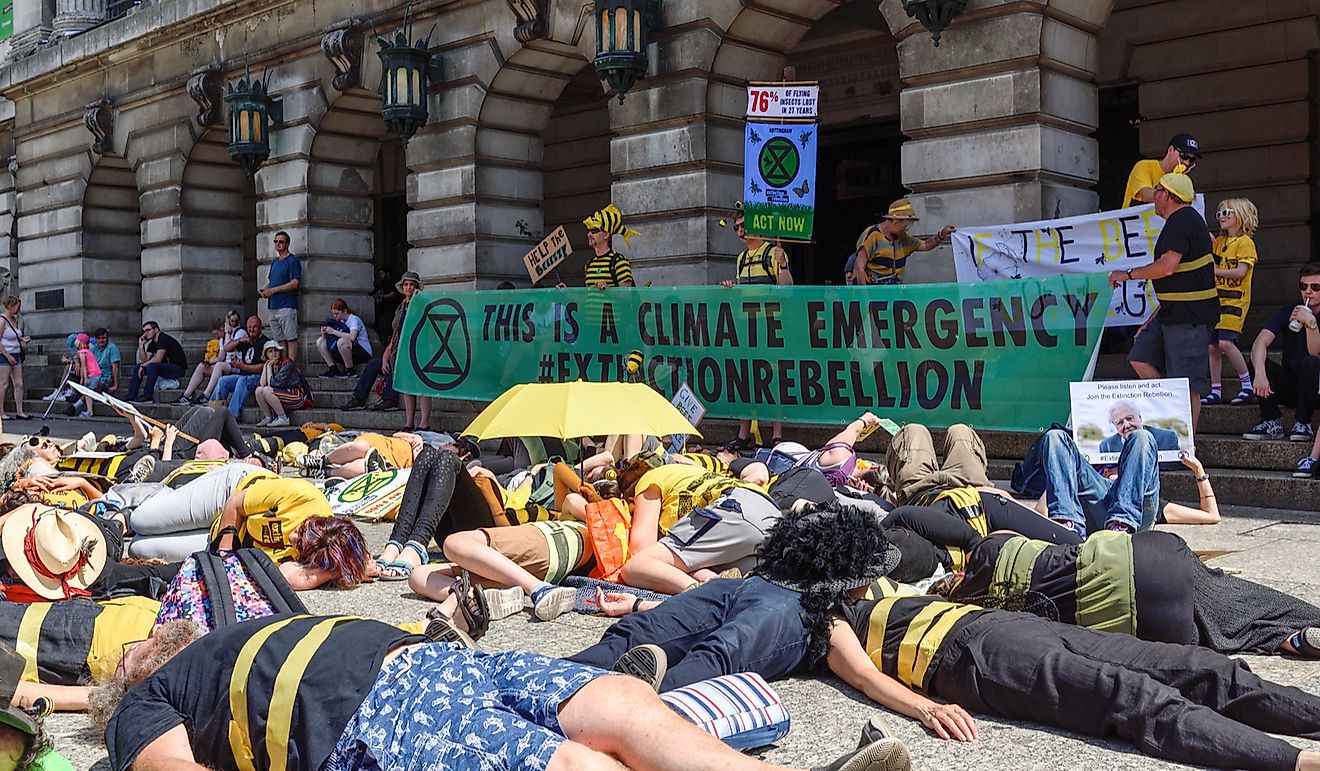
999 119
33 20
74 16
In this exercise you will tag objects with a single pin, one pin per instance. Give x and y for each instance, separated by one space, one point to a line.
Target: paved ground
1263 545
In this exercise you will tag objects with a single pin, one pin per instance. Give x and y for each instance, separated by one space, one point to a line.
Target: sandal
1245 396
394 570
423 556
1214 397
472 605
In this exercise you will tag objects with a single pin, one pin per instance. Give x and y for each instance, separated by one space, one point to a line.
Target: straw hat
901 210
53 551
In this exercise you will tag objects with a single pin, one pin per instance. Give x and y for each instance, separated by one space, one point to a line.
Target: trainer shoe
182 400
647 663
551 602
355 403
874 730
1301 432
505 602
1307 642
279 422
141 470
888 754
329 373
386 405
1268 429
311 465
264 421
1305 467
374 461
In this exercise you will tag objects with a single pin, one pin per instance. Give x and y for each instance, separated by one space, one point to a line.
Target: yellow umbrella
570 410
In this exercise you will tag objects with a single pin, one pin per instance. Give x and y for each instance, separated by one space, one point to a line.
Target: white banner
783 101
1091 243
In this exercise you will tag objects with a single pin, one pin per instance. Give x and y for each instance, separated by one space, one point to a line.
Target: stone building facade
120 202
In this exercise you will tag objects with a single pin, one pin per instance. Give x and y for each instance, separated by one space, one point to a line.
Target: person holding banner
608 268
883 248
1173 342
1183 150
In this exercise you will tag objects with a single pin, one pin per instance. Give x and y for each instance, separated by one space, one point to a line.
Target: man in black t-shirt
1173 342
307 687
158 355
1294 380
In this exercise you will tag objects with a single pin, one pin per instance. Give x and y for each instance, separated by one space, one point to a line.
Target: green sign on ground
998 355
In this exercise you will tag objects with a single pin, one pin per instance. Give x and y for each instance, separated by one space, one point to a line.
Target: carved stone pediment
343 46
100 120
207 89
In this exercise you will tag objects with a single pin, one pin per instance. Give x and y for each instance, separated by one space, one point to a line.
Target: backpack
217 588
1029 474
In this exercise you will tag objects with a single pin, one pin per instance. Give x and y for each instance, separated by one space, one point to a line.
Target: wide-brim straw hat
53 550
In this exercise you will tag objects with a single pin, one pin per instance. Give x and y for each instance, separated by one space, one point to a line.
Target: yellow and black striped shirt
611 267
904 636
758 266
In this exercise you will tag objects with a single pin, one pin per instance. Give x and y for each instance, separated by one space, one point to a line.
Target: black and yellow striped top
904 636
74 642
611 267
758 266
1189 295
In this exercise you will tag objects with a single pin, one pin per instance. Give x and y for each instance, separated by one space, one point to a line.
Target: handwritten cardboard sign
548 254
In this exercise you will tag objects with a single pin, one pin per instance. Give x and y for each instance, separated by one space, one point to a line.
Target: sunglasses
1222 213
593 231
1304 285
1189 158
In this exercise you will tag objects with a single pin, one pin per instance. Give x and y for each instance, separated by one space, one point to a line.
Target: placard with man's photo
1106 414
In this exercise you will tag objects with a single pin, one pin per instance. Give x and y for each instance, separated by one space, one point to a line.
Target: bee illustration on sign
804 138
753 137
755 188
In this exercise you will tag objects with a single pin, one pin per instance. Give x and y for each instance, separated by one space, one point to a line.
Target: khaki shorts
727 534
282 324
551 551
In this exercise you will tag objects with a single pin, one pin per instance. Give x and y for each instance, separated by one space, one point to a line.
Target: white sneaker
553 602
264 422
504 602
282 420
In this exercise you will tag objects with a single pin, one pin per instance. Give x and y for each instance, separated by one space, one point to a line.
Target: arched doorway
219 231
111 251
357 210
575 165
852 54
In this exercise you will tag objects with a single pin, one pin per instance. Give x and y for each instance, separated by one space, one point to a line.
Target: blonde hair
1246 213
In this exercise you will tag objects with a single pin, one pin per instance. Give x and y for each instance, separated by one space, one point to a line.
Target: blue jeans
720 628
236 388
1076 492
370 371
150 372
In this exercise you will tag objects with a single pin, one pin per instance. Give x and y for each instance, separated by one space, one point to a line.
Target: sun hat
410 276
269 345
901 210
56 553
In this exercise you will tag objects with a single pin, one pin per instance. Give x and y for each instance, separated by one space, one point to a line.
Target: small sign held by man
548 254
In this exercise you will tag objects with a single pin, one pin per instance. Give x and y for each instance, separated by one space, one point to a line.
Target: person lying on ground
528 560
1170 513
24 743
52 553
368 452
1148 584
70 645
170 706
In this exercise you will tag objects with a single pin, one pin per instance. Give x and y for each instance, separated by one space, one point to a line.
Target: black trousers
1291 386
1177 702
203 422
440 499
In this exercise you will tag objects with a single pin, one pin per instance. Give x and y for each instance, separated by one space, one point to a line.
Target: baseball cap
1186 144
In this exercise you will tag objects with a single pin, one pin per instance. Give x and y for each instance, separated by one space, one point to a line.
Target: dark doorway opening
858 175
1119 138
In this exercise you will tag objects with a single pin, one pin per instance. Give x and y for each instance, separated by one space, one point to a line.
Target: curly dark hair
823 552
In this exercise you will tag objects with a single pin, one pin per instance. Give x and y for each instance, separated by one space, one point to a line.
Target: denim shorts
442 706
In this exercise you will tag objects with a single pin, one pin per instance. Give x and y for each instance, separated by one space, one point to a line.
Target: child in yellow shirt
1235 261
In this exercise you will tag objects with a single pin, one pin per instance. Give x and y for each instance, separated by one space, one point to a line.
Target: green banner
998 355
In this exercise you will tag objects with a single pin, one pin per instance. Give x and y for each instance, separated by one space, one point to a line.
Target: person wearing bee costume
607 268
